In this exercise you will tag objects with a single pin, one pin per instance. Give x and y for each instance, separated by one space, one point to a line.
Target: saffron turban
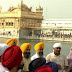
44 69
12 57
38 45
10 42
53 65
57 45
3 47
24 46
36 63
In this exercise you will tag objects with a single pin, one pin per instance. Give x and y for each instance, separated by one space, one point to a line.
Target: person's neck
13 70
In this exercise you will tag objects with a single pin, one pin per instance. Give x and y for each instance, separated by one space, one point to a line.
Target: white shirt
26 63
35 56
61 59
19 70
2 69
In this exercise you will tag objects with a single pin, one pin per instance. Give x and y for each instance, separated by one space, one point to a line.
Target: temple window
2 24
6 23
11 23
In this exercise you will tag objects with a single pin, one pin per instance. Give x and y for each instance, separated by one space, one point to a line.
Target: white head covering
3 47
57 45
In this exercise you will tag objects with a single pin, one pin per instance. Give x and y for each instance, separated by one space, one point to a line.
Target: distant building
57 26
18 20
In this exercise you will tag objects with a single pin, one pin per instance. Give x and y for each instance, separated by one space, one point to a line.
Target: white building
59 26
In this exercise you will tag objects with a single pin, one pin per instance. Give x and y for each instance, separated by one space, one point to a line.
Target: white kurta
26 63
61 59
35 56
2 69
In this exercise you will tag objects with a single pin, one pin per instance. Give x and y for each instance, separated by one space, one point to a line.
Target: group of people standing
18 59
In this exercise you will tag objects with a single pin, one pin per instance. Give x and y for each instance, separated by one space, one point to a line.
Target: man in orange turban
39 47
11 42
12 59
26 47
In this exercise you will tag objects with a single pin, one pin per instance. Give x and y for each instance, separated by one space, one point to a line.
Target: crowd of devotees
18 59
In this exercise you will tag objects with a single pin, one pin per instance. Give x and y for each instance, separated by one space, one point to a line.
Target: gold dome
39 8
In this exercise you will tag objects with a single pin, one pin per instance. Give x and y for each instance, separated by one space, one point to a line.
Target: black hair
14 42
9 68
0 57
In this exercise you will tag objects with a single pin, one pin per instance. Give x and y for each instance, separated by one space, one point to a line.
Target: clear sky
52 9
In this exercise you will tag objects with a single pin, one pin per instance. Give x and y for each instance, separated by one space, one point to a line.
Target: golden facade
18 20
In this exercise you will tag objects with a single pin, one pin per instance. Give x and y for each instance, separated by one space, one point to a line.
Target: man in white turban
3 47
57 57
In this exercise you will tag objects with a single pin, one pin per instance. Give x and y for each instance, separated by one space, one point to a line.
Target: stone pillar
60 34
16 23
32 32
63 35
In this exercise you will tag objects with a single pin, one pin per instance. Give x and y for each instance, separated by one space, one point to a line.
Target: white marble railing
8 36
39 38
